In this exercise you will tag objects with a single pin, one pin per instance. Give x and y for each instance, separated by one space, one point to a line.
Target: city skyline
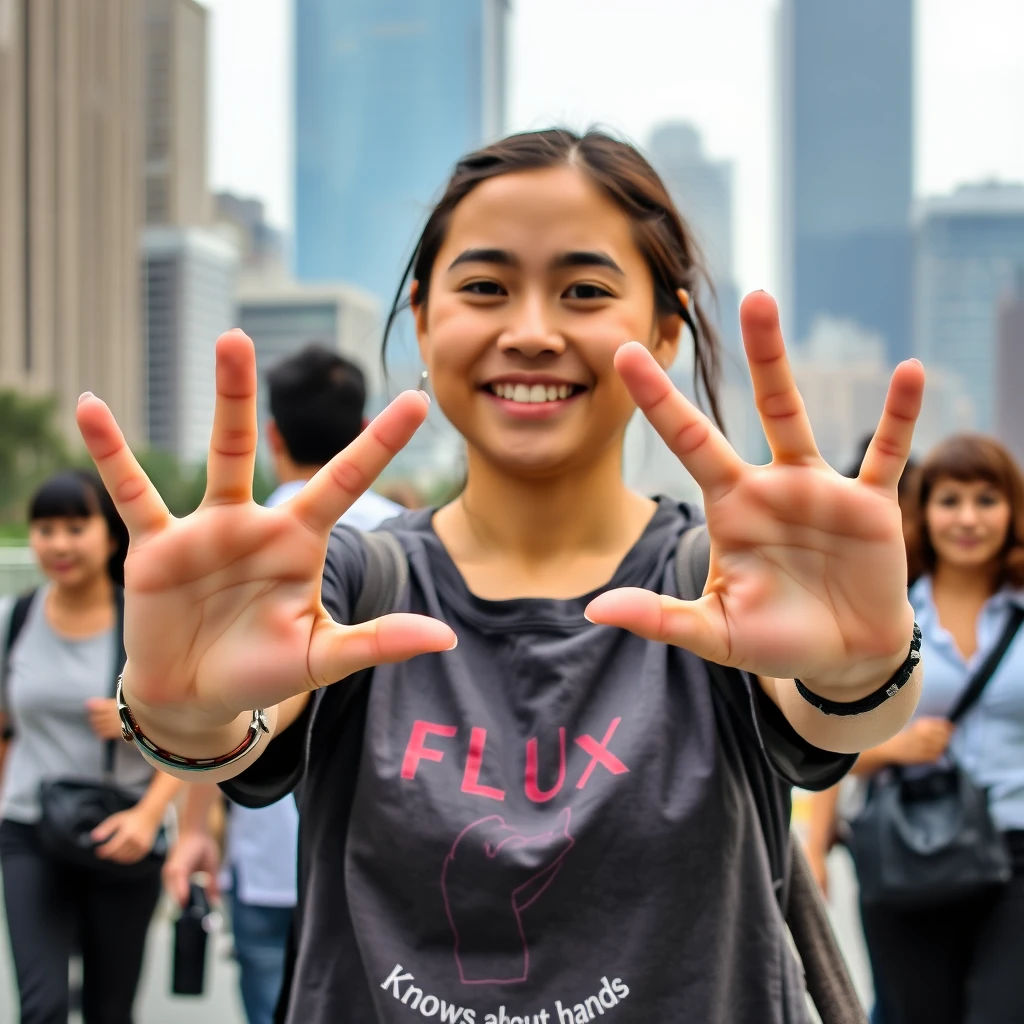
724 86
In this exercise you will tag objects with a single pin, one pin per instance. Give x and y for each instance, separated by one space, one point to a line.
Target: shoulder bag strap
110 747
988 668
15 624
827 977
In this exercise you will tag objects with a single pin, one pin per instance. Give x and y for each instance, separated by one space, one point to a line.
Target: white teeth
527 393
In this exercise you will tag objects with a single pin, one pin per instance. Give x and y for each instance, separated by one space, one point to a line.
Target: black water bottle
190 932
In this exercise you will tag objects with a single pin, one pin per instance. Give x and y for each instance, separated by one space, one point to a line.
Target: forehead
540 212
978 485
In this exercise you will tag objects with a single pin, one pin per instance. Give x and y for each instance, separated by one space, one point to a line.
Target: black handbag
71 808
926 839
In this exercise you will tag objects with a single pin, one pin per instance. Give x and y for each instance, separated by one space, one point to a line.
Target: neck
966 583
96 592
290 472
590 510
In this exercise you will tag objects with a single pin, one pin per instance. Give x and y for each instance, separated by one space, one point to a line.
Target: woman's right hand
222 608
923 741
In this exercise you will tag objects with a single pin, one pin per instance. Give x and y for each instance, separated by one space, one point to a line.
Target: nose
530 332
968 513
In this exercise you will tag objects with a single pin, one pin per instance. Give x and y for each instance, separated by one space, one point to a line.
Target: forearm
846 734
874 760
821 826
161 791
200 798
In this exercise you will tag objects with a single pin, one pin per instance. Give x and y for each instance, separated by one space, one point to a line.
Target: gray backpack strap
387 572
827 977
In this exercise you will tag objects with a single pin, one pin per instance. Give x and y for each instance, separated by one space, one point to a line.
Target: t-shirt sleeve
280 768
790 756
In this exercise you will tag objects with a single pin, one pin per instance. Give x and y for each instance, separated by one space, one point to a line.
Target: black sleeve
280 768
790 756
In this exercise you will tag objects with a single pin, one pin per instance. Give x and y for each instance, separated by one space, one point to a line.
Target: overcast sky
631 63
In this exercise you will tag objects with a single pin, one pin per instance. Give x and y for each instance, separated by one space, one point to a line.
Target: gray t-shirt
50 679
551 823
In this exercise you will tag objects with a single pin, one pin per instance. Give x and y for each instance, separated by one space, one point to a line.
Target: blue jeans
261 936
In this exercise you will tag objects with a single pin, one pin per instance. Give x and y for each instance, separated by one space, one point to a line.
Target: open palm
223 611
808 569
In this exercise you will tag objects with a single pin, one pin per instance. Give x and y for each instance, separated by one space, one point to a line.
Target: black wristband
872 700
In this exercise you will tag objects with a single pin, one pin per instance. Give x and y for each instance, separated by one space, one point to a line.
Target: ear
274 438
419 313
668 333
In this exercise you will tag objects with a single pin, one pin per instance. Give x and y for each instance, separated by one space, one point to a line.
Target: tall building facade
846 164
71 203
388 95
190 300
702 190
1010 368
968 247
175 112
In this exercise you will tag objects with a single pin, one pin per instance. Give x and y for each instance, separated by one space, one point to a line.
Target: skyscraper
846 94
702 190
1010 368
968 247
389 93
175 70
71 203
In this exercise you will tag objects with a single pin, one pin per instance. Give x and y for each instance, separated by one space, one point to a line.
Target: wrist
188 731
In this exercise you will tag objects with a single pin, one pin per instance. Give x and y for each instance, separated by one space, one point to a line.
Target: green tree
31 447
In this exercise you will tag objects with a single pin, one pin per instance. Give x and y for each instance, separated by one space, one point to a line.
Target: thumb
336 652
105 829
666 620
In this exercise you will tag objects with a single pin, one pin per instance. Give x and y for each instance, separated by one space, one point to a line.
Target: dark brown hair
623 174
967 458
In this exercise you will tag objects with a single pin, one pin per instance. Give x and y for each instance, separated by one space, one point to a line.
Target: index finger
137 501
698 444
335 488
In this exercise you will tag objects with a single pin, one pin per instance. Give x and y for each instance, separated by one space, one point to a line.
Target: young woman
552 820
59 715
966 551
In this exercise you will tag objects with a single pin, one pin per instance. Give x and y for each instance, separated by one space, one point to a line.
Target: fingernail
455 643
586 615
83 396
424 396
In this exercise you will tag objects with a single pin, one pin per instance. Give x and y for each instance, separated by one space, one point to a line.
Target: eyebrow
502 257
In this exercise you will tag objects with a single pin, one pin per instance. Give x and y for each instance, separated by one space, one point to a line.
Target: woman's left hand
126 837
808 569
103 717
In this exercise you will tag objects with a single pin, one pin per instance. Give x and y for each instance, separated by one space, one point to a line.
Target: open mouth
534 394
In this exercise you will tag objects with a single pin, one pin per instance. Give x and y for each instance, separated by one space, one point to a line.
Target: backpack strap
828 980
385 578
16 623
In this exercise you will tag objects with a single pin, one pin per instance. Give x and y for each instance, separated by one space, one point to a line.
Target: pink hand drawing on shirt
491 875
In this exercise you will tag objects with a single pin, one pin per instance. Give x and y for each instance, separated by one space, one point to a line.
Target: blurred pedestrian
959 961
62 729
317 401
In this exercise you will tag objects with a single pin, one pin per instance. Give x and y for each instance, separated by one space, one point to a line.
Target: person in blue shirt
962 964
317 401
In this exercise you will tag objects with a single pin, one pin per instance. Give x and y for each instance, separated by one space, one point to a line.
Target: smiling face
967 522
537 284
72 551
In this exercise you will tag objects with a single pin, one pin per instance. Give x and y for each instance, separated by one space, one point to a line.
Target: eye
583 292
990 498
487 289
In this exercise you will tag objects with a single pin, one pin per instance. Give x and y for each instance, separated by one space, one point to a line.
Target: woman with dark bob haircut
58 720
557 818
965 549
